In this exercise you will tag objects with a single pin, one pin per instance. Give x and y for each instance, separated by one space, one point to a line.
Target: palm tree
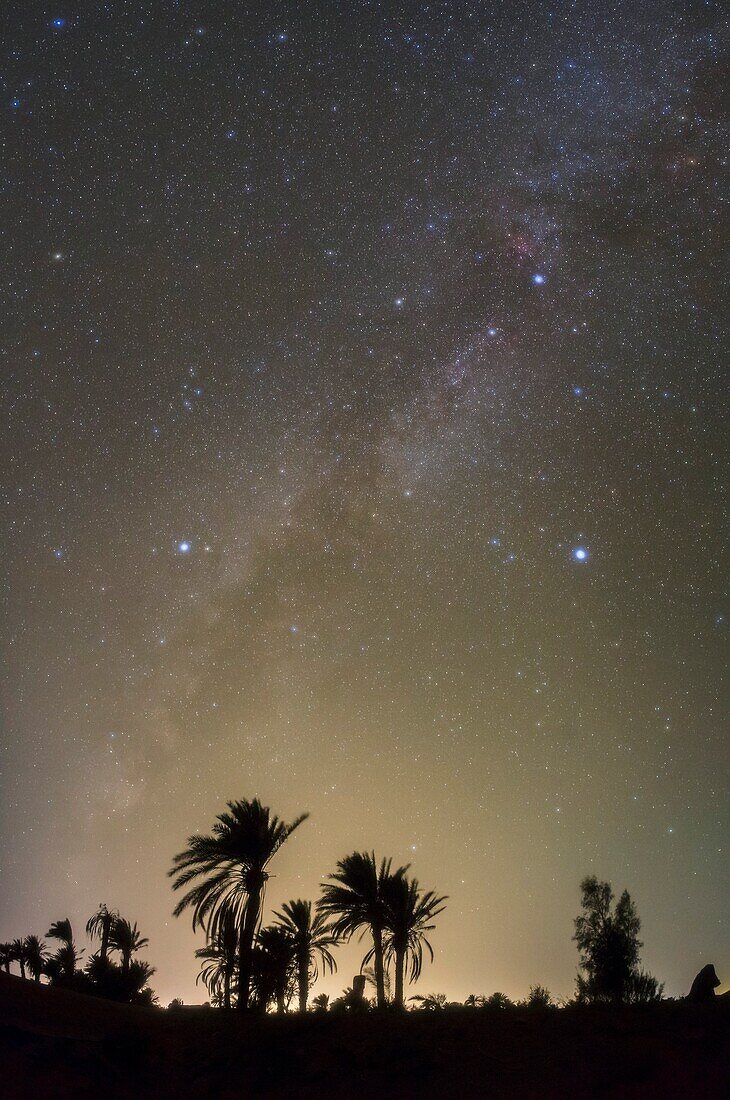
321 1002
17 954
312 938
126 939
136 978
274 968
6 956
356 899
100 924
432 1002
67 955
219 958
409 916
232 863
35 956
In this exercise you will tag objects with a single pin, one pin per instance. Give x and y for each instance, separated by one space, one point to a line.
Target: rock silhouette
704 985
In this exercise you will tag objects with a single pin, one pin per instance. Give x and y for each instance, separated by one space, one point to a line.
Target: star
579 553
184 547
538 279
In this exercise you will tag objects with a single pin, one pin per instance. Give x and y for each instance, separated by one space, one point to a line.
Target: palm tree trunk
303 967
227 988
245 950
22 968
400 963
379 967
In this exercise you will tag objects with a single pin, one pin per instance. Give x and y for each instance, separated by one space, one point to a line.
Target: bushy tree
608 941
539 997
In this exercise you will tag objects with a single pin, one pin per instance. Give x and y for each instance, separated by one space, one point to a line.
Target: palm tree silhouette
321 1002
219 958
100 925
35 956
6 956
432 1002
126 939
17 954
67 955
409 916
356 898
312 938
274 965
233 861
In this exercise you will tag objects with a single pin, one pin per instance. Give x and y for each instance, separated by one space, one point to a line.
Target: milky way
363 393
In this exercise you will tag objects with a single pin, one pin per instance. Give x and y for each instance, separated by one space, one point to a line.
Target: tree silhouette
6 956
431 1002
355 898
126 939
321 1002
539 997
609 945
35 956
219 958
107 979
100 925
63 963
18 955
274 968
232 863
409 916
312 938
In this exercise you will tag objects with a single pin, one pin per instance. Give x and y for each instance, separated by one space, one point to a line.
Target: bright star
59 23
399 302
580 553
538 279
183 547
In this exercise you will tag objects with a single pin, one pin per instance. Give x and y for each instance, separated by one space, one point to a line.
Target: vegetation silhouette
232 862
409 915
609 946
312 938
100 925
356 899
410 1045
220 959
224 875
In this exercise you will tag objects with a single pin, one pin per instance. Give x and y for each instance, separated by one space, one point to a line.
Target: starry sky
362 401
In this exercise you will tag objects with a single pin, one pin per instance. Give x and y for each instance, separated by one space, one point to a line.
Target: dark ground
55 1044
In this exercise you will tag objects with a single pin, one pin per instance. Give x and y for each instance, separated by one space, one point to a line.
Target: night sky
362 450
